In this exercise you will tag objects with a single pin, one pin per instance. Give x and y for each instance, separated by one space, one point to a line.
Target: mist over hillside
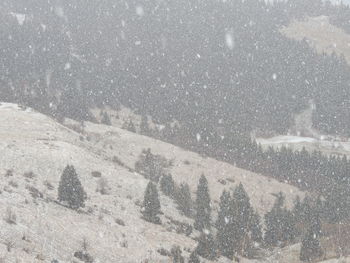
174 131
194 62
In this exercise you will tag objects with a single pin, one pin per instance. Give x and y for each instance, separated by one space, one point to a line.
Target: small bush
48 185
35 193
9 173
13 184
102 186
164 252
96 174
118 161
120 222
9 243
84 256
10 216
124 244
29 175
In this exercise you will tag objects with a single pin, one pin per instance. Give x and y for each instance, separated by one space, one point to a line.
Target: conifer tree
206 246
176 255
167 185
144 127
129 126
241 218
194 258
151 204
224 236
297 210
203 209
184 199
310 246
105 119
280 225
256 228
70 189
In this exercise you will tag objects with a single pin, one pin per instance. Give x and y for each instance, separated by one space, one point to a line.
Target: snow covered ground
45 230
298 142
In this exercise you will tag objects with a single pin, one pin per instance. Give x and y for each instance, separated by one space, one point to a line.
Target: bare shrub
124 244
164 252
29 175
48 185
10 244
35 193
85 245
102 186
96 174
118 161
9 173
10 216
13 184
187 162
120 222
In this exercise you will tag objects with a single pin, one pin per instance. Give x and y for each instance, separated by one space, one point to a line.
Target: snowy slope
30 141
321 35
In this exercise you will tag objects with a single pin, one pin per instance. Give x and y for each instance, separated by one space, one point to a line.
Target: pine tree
105 119
297 210
129 126
144 127
194 258
280 224
256 228
151 204
224 236
310 246
70 189
206 246
176 255
184 199
203 209
167 185
241 219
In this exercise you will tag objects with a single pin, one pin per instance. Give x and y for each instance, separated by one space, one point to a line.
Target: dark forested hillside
200 62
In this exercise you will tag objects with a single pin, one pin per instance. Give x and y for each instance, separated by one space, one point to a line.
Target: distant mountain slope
321 35
30 141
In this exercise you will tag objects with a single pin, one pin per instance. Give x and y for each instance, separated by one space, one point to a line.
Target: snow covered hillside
36 149
321 35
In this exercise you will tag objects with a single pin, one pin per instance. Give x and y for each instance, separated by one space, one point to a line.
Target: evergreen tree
256 228
241 219
194 258
297 210
280 224
176 255
167 185
184 199
224 236
310 246
151 204
106 119
206 247
144 127
129 126
70 189
203 209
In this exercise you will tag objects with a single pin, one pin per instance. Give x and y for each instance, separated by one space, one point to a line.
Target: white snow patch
20 17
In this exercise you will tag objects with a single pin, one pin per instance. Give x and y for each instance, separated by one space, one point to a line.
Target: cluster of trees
237 230
239 71
315 171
